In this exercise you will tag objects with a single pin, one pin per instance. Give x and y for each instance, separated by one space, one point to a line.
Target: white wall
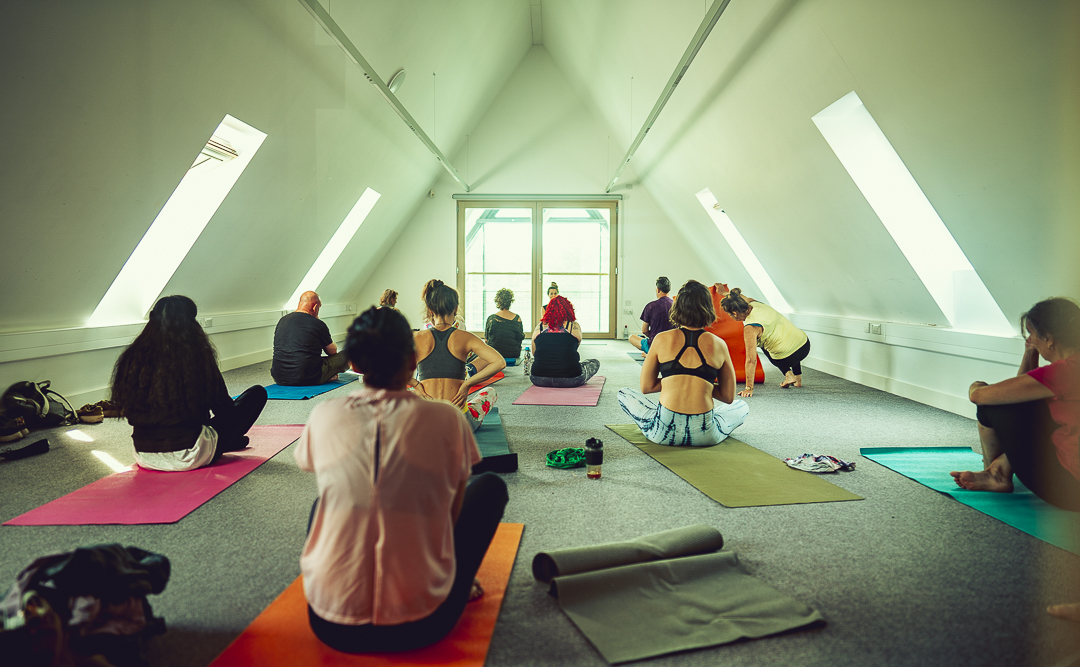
537 138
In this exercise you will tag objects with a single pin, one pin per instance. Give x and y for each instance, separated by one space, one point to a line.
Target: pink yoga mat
142 496
587 394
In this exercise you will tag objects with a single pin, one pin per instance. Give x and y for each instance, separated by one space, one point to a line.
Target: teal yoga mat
281 393
1021 509
636 356
491 440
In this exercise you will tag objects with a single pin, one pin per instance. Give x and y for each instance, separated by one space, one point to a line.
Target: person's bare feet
477 591
1070 612
991 479
333 379
791 380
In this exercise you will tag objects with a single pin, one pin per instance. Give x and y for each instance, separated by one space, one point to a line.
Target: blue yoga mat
278 392
1021 509
636 356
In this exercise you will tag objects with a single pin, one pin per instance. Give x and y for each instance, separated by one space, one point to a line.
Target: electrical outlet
350 308
208 322
627 311
627 302
875 329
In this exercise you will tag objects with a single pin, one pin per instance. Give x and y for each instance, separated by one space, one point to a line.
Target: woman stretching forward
783 343
555 348
682 365
396 537
442 350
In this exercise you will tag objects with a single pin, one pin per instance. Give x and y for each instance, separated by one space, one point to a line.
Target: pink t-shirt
1063 378
388 465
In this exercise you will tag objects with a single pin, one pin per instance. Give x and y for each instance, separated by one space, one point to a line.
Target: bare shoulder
713 346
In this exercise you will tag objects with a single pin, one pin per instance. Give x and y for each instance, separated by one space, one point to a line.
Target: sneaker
109 408
13 429
91 414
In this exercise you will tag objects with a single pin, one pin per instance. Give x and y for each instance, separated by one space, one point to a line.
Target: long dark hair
378 343
171 363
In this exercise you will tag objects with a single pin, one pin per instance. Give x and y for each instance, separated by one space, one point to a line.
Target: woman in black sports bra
690 367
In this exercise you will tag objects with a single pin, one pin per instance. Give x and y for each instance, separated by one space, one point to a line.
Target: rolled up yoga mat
662 593
735 474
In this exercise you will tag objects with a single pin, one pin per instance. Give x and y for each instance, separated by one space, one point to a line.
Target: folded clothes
820 463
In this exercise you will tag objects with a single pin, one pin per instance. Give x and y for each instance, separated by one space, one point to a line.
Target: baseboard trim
955 404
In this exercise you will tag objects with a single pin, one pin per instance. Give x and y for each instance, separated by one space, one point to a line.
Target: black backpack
38 405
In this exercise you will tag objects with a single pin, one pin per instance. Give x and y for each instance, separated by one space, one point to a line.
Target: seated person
388 299
732 332
396 537
299 341
168 398
503 330
655 317
552 292
1029 425
783 343
683 365
555 343
442 350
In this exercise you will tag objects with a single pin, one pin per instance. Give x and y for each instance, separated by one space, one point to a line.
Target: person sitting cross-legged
442 350
398 532
300 339
655 317
503 330
555 342
682 365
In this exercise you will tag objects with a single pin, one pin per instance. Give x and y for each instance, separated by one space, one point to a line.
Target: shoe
91 414
13 429
109 408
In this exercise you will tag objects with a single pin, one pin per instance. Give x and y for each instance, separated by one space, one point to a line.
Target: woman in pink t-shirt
396 537
1029 425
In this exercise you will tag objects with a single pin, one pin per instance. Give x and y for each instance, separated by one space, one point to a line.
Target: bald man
299 341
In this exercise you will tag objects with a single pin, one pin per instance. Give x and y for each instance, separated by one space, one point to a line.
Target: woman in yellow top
783 343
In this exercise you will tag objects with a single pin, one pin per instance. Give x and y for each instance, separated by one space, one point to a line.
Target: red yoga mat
491 380
141 496
586 395
282 637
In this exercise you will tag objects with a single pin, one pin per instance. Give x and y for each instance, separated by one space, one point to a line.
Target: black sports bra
673 367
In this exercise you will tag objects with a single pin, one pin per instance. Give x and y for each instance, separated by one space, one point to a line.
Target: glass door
577 258
527 245
498 253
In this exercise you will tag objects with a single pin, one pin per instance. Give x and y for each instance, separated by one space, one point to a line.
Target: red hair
559 311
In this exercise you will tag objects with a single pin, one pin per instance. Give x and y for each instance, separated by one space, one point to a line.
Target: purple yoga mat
587 394
141 496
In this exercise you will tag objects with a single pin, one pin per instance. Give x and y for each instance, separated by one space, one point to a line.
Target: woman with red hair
554 346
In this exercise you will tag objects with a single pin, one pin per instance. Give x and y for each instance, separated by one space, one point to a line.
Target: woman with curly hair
690 367
555 348
503 330
441 352
398 532
167 383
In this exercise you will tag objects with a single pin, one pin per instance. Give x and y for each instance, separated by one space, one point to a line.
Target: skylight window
179 223
742 250
911 220
335 246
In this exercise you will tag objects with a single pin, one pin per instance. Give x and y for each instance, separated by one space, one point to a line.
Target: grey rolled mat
664 593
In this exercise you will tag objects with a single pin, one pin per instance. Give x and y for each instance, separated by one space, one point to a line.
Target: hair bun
437 283
736 291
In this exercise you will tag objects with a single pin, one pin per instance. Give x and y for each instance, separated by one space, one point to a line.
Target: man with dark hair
655 317
299 341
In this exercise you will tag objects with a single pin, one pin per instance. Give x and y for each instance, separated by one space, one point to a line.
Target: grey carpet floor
905 577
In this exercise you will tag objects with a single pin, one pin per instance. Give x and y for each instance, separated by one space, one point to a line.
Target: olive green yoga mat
735 474
662 593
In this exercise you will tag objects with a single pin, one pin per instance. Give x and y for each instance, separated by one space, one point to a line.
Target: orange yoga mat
282 637
732 333
491 380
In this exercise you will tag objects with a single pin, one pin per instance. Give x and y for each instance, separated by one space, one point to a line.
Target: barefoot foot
790 380
477 591
1070 612
991 479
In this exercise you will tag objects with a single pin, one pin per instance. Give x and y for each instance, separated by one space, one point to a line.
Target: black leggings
792 362
1024 431
485 500
232 425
